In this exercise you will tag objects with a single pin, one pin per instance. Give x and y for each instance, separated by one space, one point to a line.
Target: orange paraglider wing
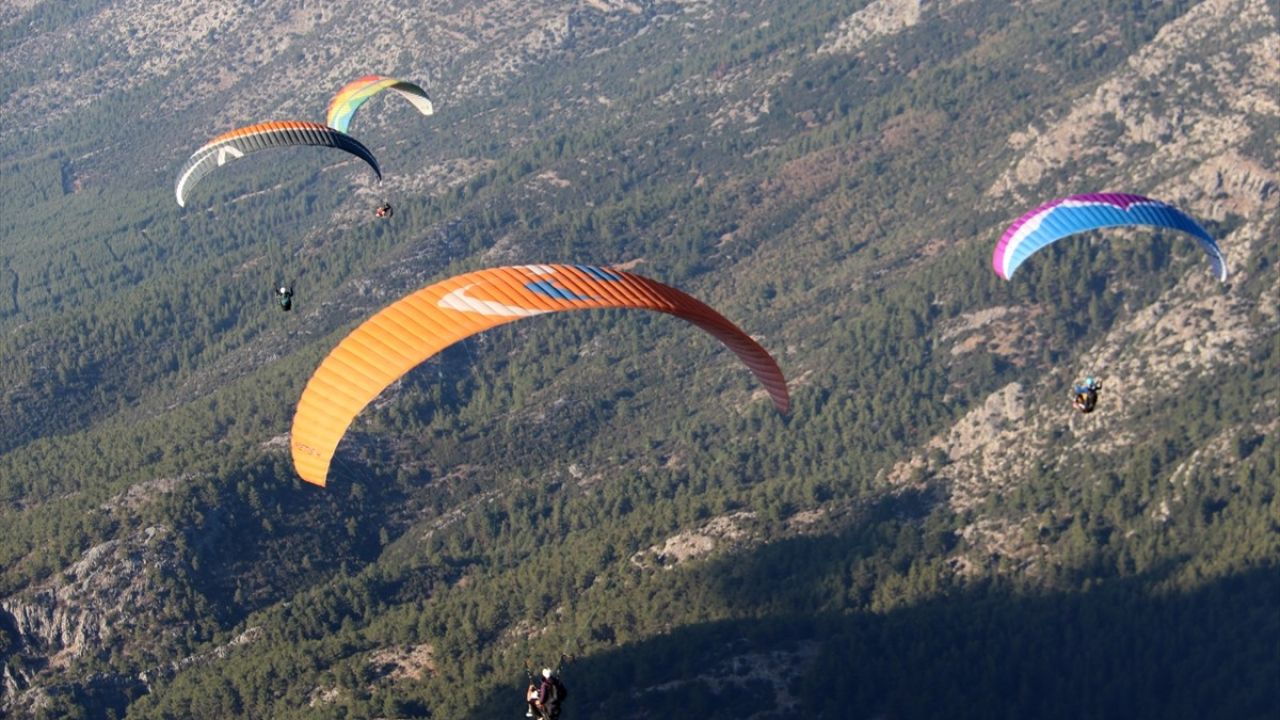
416 327
237 143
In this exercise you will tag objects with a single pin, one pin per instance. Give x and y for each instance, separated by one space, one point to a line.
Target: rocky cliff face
1180 104
101 596
1150 128
271 57
878 19
114 596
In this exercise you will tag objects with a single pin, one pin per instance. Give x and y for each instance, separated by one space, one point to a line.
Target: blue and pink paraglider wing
1077 213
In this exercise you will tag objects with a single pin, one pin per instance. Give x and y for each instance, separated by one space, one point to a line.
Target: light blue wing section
1079 213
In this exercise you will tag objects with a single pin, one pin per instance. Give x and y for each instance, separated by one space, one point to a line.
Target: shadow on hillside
260 536
1117 650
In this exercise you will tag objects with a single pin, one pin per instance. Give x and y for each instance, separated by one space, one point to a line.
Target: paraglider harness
384 210
1086 395
545 698
285 296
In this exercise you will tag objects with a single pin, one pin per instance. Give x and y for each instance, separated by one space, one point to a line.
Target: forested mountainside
931 531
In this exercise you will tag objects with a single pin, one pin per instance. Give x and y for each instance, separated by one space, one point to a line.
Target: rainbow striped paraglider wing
355 93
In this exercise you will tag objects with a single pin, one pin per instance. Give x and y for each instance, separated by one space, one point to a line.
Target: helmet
546 672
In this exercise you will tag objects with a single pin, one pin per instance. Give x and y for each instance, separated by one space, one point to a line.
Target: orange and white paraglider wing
237 143
418 326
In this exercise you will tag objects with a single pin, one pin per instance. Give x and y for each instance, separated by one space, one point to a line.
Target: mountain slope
830 177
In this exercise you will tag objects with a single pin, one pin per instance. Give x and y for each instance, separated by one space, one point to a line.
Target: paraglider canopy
418 326
357 92
283 133
1074 214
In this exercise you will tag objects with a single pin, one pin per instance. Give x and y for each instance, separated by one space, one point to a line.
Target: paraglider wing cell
355 93
416 327
1077 213
280 133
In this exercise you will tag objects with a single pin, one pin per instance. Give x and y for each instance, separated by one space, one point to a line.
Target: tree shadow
1119 649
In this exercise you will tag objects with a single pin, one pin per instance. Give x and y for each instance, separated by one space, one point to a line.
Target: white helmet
546 672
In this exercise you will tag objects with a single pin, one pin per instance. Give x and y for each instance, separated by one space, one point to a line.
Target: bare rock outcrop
723 531
880 18
1178 120
1144 105
1187 335
114 592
